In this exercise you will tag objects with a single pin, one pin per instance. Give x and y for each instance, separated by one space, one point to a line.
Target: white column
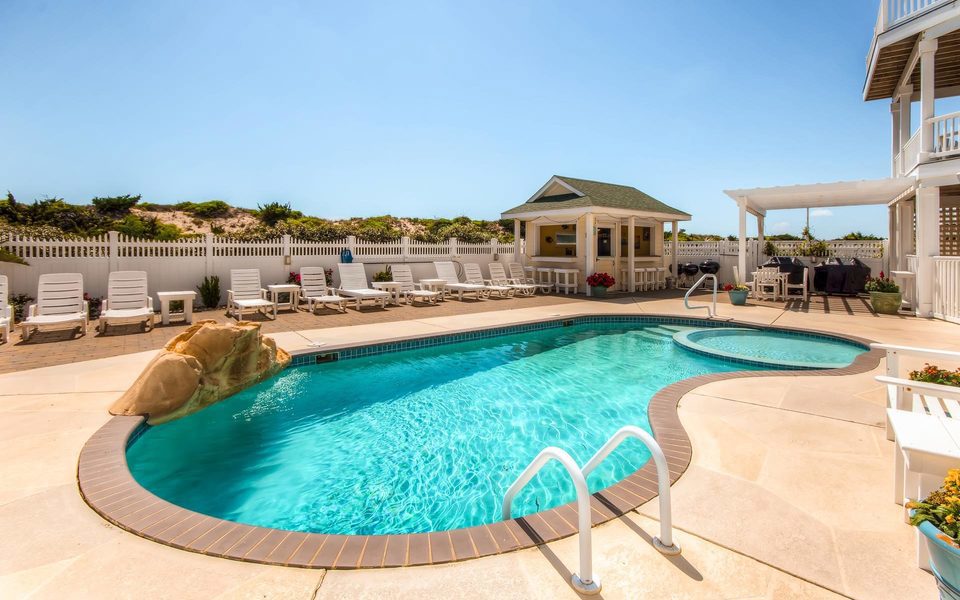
928 246
895 142
742 250
928 49
516 241
893 248
675 236
590 254
759 243
905 104
631 254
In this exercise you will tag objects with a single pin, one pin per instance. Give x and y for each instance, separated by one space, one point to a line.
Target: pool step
660 331
673 328
657 337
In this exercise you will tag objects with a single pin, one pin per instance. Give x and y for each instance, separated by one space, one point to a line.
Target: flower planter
598 291
738 297
886 303
944 558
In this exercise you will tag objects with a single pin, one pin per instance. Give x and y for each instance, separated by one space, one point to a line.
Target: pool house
571 228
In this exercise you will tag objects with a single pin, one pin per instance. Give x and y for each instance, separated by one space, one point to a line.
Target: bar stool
624 283
564 282
650 278
545 279
661 278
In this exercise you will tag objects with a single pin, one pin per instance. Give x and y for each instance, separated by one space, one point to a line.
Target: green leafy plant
93 305
934 374
20 302
881 284
384 275
210 291
941 509
770 249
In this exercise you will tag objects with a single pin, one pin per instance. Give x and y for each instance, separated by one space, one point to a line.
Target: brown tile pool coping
109 489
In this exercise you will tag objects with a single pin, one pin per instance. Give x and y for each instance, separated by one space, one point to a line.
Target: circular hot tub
770 348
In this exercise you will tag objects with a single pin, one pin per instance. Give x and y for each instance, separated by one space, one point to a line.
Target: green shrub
770 249
881 284
20 302
934 374
149 228
210 291
115 205
211 209
272 213
384 275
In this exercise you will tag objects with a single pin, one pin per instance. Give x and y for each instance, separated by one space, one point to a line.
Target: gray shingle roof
597 193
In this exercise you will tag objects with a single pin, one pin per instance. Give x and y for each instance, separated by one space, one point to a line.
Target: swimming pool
421 440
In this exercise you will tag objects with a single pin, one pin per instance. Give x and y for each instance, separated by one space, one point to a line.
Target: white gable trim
552 181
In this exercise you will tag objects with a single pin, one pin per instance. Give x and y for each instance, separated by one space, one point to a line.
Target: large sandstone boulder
203 365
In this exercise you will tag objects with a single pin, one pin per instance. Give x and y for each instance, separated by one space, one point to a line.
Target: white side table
394 287
293 300
435 285
167 297
567 280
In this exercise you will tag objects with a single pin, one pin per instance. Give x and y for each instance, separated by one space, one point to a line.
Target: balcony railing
894 12
946 134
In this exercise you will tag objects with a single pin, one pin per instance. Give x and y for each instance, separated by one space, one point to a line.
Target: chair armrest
105 306
86 310
229 296
32 310
6 311
934 389
922 352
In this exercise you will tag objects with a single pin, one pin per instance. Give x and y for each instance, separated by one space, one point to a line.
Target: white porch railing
946 288
946 134
909 157
893 12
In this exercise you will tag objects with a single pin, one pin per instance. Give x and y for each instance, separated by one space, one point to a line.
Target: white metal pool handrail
686 297
664 543
586 582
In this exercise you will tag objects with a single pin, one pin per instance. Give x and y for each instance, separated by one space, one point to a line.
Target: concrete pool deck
787 495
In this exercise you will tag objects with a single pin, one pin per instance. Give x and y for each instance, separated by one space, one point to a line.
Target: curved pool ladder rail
711 312
587 582
664 543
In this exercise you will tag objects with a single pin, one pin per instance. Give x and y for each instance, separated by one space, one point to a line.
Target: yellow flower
950 519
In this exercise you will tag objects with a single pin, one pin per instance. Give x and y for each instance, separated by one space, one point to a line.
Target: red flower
601 280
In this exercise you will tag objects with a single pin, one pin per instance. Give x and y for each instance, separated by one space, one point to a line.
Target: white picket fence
182 264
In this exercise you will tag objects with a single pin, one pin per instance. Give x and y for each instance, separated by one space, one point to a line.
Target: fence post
352 245
208 254
405 248
287 259
494 255
453 247
114 251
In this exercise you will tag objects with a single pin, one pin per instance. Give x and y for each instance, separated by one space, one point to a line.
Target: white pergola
890 192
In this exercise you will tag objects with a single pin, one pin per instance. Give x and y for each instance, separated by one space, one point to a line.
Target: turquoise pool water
772 348
420 440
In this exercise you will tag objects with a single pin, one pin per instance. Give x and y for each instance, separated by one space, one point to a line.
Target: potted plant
384 275
938 519
599 282
934 374
737 292
885 296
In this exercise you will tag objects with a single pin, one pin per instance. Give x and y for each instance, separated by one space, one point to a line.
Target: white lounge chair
473 274
353 285
59 302
447 272
245 293
499 277
313 289
127 300
520 276
410 290
6 311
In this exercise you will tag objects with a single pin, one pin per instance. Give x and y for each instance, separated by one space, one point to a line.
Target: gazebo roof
568 193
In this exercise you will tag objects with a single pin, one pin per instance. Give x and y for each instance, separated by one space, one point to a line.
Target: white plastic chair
353 284
6 311
245 293
59 302
473 275
520 276
499 277
767 283
798 286
410 290
447 272
127 300
313 289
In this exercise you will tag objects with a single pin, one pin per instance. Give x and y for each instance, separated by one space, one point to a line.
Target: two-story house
914 59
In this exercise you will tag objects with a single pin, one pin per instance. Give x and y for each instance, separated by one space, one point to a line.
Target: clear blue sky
439 108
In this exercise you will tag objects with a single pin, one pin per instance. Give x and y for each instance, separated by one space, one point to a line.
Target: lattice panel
950 227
